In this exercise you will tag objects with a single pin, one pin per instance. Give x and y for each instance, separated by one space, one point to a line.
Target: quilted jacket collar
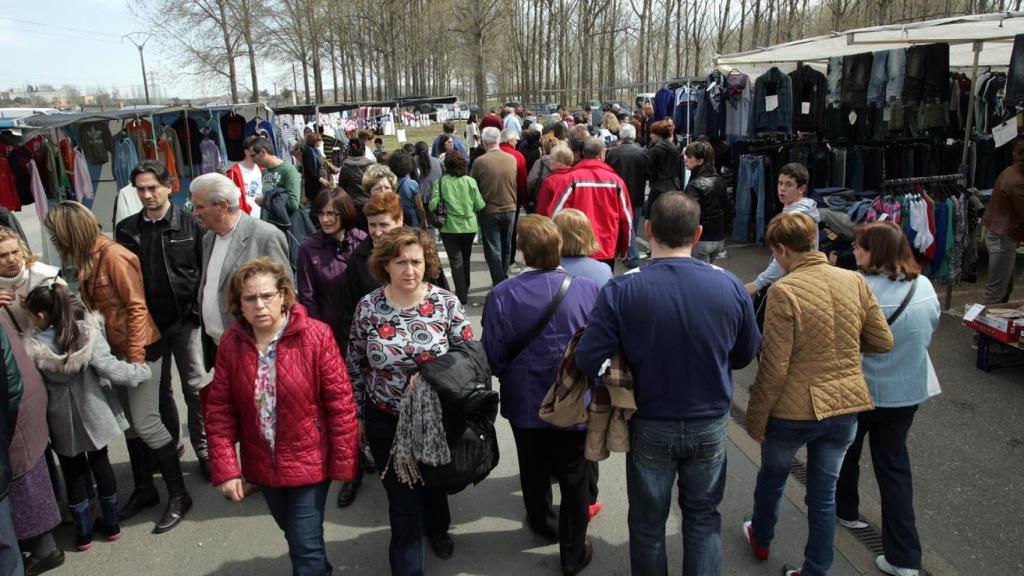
297 320
813 258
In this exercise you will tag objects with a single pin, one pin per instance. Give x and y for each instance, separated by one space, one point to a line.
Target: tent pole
969 127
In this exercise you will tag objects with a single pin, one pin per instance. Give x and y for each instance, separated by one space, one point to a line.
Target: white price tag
1005 132
853 117
973 312
805 108
401 136
771 102
886 114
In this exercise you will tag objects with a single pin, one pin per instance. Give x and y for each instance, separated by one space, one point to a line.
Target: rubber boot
178 499
83 525
145 494
110 527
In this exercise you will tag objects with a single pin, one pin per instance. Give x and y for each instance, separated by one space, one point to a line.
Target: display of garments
125 159
749 192
83 182
711 116
189 137
8 187
233 129
913 79
171 136
210 156
936 72
773 103
166 155
879 78
141 133
38 191
258 124
896 65
834 82
664 103
809 93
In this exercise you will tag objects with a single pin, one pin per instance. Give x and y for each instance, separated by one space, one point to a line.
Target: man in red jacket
558 180
593 187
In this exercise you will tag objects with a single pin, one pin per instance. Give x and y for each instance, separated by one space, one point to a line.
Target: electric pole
142 60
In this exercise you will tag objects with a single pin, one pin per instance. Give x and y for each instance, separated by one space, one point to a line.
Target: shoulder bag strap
545 319
904 304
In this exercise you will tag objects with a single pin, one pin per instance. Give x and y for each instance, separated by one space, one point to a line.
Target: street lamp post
142 60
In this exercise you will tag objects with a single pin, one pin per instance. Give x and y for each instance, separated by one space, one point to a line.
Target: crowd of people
344 352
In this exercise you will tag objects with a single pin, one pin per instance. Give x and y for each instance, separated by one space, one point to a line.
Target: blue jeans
750 183
826 441
634 250
496 233
896 64
299 512
878 79
659 451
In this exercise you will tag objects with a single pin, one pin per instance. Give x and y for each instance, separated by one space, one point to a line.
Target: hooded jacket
83 411
774 271
350 179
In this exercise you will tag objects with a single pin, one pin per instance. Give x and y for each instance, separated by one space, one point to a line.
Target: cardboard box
1001 322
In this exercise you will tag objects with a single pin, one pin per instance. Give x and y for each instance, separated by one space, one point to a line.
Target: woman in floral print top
397 328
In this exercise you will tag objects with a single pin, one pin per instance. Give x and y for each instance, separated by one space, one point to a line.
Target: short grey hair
218 188
507 135
510 110
627 131
593 147
489 136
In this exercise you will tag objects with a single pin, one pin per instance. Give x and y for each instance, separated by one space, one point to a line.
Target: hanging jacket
83 181
809 91
711 116
773 83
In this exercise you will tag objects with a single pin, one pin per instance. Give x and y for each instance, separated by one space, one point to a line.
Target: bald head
593 147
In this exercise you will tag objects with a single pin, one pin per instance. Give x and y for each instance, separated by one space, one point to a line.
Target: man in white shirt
232 239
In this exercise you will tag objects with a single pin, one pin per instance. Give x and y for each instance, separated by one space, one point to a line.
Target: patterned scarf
420 436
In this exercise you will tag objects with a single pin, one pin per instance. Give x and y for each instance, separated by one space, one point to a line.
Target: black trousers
887 429
76 475
545 453
459 247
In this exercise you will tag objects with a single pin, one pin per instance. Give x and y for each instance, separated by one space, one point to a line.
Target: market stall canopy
309 109
50 121
994 31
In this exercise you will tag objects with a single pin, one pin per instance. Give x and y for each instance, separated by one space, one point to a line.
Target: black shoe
143 497
588 555
36 565
347 493
366 461
443 546
204 467
178 499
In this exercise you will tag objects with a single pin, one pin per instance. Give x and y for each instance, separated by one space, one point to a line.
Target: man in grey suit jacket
232 238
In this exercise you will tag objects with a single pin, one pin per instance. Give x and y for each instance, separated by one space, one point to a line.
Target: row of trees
537 50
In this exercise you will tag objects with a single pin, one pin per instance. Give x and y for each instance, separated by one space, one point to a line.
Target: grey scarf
420 436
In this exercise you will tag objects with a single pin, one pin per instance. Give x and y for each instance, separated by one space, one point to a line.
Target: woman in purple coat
526 370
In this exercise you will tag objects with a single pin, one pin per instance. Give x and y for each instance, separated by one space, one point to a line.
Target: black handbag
439 216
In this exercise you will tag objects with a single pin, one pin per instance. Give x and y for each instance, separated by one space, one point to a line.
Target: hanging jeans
839 167
749 188
878 78
1015 75
896 62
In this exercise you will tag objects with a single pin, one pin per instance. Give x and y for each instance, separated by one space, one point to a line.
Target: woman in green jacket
463 200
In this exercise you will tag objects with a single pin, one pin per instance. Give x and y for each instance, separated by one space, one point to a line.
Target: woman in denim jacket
899 381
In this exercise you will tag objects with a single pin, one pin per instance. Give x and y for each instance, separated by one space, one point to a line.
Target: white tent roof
995 31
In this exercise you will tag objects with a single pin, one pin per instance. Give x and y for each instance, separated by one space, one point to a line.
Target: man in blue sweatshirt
682 379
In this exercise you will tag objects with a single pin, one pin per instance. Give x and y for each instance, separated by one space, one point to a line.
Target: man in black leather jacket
629 160
168 242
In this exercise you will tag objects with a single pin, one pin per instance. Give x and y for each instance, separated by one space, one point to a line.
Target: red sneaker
594 509
748 533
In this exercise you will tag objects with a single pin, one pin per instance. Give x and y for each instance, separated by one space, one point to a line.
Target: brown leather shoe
588 555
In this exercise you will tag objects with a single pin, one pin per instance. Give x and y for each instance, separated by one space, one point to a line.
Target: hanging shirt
125 159
141 133
233 129
210 156
8 187
95 141
38 191
83 181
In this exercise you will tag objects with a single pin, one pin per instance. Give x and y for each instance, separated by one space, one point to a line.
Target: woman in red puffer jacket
282 392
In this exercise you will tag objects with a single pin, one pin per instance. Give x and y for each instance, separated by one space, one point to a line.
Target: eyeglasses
266 298
327 214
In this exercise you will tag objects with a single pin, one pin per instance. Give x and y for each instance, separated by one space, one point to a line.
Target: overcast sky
78 42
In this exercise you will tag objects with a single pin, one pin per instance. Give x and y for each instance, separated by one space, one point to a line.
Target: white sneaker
852 524
884 566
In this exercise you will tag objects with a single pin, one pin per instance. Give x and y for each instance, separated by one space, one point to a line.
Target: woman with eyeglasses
284 396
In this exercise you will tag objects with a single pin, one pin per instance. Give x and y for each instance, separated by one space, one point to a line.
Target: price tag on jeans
886 114
771 102
1005 132
853 117
805 108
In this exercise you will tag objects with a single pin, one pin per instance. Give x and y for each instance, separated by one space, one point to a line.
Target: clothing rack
923 179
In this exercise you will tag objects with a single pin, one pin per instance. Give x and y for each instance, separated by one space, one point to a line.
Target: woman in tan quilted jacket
809 385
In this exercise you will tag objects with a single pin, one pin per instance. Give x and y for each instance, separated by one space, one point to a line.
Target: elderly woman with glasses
283 395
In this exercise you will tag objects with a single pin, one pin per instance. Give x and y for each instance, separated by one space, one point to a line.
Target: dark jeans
826 441
459 247
691 454
76 471
496 235
887 429
413 512
545 453
299 512
182 342
10 553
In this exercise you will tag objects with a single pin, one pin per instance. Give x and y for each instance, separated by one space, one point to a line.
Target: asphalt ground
966 447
